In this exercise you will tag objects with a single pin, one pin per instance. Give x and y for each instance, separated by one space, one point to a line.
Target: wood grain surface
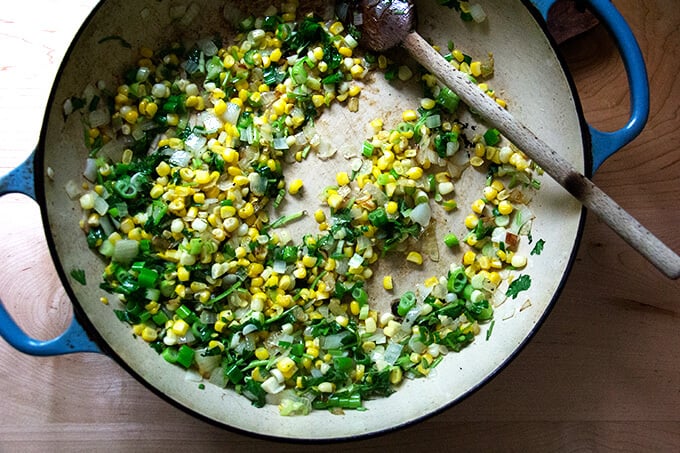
602 374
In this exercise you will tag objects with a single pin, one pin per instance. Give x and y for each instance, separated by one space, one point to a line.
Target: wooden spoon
388 23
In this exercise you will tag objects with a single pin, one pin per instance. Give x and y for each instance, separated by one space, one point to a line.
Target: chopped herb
538 248
79 276
522 283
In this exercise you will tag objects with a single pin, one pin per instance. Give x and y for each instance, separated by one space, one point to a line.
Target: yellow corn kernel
163 169
469 257
471 221
149 334
183 274
396 375
388 283
490 193
342 320
478 206
319 216
220 107
336 28
335 200
354 90
476 68
497 184
246 211
262 353
415 258
518 261
345 51
476 161
295 186
318 100
126 225
342 178
287 367
391 208
458 55
505 207
275 55
414 173
256 374
180 327
501 102
409 115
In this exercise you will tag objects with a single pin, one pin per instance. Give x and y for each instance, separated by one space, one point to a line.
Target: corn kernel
336 28
505 207
183 274
414 173
149 334
415 258
246 211
287 367
295 186
469 257
262 353
478 206
490 193
335 200
427 103
354 90
518 261
319 216
388 283
471 221
342 178
409 115
180 327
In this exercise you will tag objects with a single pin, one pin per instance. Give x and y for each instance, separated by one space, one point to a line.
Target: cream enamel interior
528 75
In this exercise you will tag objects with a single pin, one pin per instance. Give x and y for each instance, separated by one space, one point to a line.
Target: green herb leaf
79 276
538 248
522 283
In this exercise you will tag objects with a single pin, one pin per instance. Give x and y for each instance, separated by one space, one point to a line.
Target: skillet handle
604 144
74 338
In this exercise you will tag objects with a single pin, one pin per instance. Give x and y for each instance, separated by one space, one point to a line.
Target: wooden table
603 373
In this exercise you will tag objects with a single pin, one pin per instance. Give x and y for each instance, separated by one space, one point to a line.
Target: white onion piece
392 352
101 206
125 250
98 118
195 142
207 47
90 172
477 13
279 266
232 113
249 328
180 158
421 214
498 234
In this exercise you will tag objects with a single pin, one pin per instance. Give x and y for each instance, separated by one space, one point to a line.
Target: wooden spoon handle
583 189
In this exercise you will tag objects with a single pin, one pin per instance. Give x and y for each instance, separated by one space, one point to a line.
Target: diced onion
232 113
477 13
125 250
392 352
90 171
421 214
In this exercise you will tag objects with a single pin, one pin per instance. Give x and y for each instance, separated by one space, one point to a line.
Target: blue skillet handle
74 339
604 144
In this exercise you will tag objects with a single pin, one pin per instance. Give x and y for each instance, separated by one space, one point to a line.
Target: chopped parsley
79 276
538 248
522 283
